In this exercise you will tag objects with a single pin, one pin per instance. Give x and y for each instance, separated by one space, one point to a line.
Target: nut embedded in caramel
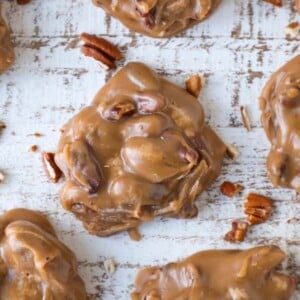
7 55
218 275
34 264
159 18
280 107
140 150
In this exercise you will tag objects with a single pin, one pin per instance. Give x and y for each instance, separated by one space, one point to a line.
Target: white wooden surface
237 49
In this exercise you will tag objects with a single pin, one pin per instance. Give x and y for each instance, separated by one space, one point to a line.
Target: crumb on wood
33 148
245 117
2 177
109 266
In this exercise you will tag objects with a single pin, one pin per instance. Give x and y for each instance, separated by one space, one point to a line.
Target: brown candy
34 264
159 18
280 106
140 150
218 275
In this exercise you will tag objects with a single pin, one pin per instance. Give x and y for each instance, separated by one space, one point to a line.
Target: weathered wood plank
236 49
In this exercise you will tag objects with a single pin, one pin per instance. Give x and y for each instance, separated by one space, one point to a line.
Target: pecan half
230 189
101 50
277 3
258 208
238 231
194 84
52 170
292 30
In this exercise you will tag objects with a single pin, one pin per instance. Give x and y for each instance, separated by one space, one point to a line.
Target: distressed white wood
237 49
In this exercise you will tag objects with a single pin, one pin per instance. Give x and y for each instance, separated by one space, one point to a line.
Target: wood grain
236 49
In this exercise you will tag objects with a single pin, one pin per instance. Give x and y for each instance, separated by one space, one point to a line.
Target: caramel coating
34 264
7 55
218 275
280 106
140 150
159 18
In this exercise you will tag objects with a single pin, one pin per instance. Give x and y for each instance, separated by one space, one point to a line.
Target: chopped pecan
120 110
33 148
52 170
275 2
258 208
101 50
23 2
232 152
194 84
293 29
2 125
230 189
238 232
245 118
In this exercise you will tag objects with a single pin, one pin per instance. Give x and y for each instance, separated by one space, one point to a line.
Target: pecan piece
232 152
2 125
33 148
258 208
23 2
194 84
101 50
277 3
120 110
292 30
238 231
52 170
230 189
245 118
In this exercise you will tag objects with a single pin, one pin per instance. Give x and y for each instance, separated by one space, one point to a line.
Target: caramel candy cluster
280 106
34 264
159 18
7 55
218 275
140 150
